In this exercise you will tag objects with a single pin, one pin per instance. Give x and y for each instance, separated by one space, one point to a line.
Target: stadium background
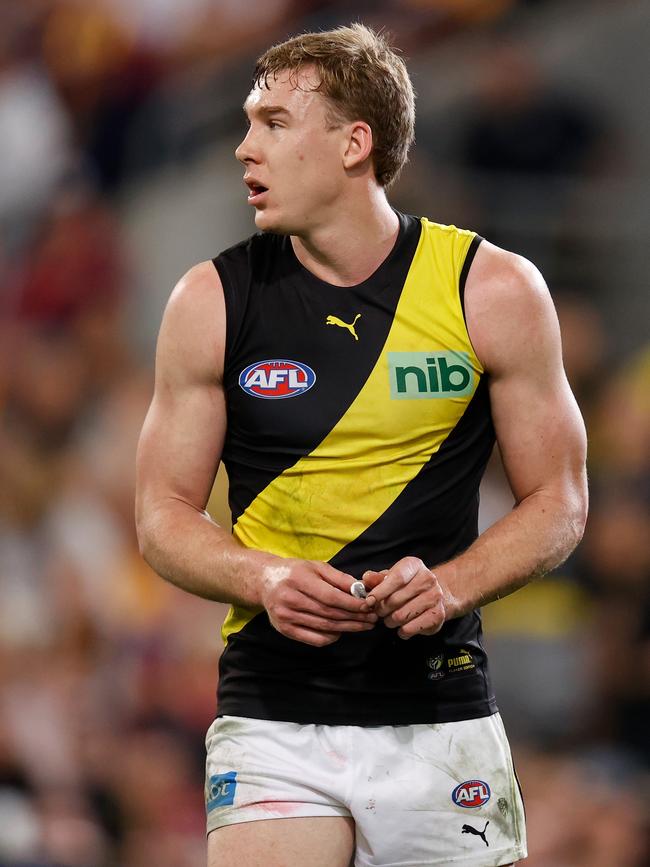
118 120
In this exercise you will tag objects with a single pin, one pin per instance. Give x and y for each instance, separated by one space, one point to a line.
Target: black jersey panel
373 678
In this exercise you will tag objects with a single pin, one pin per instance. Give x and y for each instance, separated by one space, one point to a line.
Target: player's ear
358 146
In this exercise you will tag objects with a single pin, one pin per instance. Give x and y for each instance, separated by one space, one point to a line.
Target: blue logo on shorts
220 790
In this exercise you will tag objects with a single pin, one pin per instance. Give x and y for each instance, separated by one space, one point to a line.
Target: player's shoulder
215 275
503 278
208 277
198 286
196 304
192 332
508 308
492 262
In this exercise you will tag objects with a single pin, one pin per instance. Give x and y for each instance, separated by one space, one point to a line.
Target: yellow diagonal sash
329 497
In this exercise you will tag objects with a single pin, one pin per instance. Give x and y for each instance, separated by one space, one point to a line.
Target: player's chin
267 221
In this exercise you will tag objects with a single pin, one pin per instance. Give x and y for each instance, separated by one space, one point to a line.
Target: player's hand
310 601
408 597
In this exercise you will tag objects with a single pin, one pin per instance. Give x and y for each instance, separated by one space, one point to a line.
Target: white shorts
420 795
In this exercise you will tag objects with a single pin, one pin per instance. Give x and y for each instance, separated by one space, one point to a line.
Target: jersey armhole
467 264
234 313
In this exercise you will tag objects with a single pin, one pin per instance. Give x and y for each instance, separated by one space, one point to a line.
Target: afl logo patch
276 378
471 793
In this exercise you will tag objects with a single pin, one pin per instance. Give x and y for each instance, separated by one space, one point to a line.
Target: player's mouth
256 191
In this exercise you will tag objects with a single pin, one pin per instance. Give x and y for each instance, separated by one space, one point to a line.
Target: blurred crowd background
118 121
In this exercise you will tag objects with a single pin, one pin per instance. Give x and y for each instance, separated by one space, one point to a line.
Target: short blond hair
363 78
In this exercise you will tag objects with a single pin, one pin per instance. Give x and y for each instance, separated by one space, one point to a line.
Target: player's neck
348 249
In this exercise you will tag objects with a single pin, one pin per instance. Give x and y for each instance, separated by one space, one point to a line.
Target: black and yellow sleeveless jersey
358 431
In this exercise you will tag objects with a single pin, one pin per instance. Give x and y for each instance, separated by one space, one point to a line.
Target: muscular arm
540 433
180 448
178 457
539 429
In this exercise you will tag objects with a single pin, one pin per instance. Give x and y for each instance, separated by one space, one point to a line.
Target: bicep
182 437
180 445
540 432
538 425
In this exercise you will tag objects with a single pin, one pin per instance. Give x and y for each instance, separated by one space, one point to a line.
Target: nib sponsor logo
429 375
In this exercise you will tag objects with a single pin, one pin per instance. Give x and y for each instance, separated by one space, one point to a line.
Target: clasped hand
407 597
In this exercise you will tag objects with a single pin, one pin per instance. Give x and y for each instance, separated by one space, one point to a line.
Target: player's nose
246 150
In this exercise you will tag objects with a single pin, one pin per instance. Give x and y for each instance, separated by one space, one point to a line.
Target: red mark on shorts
337 759
281 808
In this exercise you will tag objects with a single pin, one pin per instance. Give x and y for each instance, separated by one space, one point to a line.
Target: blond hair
363 79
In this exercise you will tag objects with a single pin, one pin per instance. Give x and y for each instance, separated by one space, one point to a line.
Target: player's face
293 159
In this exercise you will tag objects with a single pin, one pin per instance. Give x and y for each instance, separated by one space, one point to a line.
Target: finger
295 602
399 598
373 579
336 615
427 623
400 574
401 616
334 576
421 595
423 587
300 599
323 624
334 595
316 639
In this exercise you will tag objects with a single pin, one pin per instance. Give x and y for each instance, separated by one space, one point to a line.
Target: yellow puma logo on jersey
334 320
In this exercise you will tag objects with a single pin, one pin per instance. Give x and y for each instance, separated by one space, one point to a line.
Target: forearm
532 539
186 547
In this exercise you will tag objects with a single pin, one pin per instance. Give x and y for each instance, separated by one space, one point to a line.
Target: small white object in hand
358 589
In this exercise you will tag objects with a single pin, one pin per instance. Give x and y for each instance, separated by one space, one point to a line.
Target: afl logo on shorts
471 793
276 379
